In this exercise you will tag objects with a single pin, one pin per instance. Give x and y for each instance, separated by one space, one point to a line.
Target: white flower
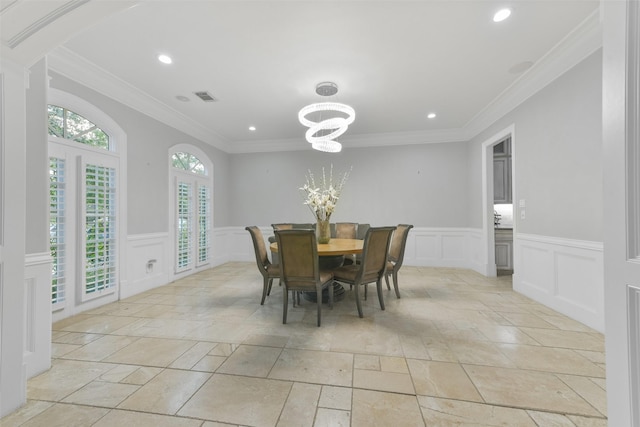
322 200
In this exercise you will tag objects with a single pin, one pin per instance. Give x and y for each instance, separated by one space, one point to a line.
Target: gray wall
425 185
558 157
37 172
148 143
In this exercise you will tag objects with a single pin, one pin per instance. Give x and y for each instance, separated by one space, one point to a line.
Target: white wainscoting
148 263
37 297
563 274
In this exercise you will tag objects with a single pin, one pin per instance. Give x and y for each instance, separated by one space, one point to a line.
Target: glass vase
323 231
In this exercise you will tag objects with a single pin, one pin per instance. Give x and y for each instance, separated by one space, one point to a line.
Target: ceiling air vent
205 96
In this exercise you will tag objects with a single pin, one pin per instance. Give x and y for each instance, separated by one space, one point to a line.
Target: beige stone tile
64 377
442 379
332 417
383 381
166 392
223 349
118 373
506 334
192 356
100 393
548 419
549 359
366 361
367 340
217 424
381 409
588 422
393 364
74 338
320 367
454 413
413 347
31 409
267 340
563 322
59 350
527 320
480 353
63 415
251 360
300 407
96 324
209 363
226 398
594 356
566 339
335 397
527 389
129 418
100 348
589 391
141 375
151 352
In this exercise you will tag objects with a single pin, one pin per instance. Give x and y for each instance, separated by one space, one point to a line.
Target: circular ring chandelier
321 133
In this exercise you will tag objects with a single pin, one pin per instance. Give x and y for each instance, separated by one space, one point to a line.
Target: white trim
37 340
69 64
488 258
564 274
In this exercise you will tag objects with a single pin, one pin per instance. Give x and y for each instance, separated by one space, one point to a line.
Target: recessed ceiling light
252 128
431 116
501 15
182 98
165 59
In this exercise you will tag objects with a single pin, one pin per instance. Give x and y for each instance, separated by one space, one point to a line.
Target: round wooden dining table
331 256
334 247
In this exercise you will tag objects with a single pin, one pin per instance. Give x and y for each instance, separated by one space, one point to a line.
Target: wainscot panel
148 263
563 274
37 293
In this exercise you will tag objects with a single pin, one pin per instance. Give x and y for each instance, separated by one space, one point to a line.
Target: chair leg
379 289
366 288
319 304
386 279
269 289
265 287
358 303
395 283
285 303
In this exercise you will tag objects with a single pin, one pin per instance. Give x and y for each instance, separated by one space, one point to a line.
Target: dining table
331 255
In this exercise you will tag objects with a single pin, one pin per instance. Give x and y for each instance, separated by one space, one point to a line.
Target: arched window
69 125
84 194
191 207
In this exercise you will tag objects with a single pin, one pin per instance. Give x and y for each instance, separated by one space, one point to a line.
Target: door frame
487 240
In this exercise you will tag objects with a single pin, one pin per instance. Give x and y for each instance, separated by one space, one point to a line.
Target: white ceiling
394 61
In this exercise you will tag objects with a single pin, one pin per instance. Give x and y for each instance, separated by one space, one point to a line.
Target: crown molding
575 47
355 141
569 52
67 63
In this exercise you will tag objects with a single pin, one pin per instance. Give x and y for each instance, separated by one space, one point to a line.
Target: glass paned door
184 231
99 269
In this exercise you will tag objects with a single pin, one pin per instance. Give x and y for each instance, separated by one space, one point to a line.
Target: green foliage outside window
69 125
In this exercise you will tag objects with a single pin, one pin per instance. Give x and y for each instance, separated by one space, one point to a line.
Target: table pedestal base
328 262
338 294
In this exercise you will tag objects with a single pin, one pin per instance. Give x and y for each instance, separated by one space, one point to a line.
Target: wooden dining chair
268 270
396 255
372 268
299 268
346 230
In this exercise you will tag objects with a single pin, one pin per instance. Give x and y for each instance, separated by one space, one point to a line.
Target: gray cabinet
504 249
502 180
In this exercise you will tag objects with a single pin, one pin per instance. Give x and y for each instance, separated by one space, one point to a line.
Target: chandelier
332 120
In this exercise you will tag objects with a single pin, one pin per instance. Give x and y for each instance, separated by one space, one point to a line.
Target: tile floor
458 349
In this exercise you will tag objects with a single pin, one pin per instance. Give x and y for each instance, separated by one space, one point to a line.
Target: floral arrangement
322 199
